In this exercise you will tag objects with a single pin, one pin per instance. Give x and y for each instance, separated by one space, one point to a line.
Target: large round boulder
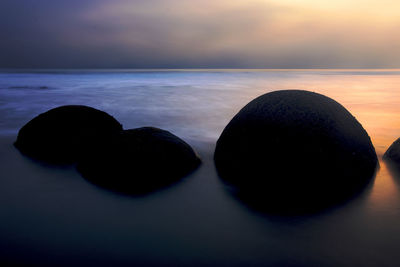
294 150
62 134
393 152
139 160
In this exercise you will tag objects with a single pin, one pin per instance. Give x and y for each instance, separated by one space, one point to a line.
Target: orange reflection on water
385 191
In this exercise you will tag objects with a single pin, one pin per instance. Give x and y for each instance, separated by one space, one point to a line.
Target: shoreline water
54 216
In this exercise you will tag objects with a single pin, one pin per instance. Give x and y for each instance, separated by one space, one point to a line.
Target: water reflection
275 207
390 181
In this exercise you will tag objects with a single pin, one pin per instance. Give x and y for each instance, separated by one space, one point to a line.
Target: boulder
393 152
139 160
62 134
294 150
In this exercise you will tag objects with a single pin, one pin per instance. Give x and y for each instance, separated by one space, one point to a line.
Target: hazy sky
200 34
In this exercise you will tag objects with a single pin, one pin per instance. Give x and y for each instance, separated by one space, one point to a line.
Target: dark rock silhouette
62 134
393 152
294 151
138 161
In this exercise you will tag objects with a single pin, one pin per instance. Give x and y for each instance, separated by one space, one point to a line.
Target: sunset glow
202 34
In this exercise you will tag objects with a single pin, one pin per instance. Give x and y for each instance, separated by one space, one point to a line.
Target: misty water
52 215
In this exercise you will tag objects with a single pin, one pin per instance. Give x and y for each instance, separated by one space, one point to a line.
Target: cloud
181 34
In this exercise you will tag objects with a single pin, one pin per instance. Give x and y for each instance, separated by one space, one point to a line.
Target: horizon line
198 69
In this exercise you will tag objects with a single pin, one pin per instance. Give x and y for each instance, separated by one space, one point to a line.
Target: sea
52 216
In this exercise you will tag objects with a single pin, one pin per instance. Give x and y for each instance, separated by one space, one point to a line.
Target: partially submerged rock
139 160
393 152
294 150
62 134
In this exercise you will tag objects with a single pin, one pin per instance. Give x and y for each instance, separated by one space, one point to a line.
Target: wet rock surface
393 152
62 134
139 160
294 150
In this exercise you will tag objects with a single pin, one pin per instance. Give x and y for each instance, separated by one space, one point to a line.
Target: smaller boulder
62 134
393 152
138 161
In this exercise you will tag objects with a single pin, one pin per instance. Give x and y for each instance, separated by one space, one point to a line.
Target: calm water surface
50 215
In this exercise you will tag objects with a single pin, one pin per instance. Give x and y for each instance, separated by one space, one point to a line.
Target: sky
199 34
